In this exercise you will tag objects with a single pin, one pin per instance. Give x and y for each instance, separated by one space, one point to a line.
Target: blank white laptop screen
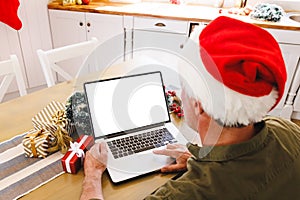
121 104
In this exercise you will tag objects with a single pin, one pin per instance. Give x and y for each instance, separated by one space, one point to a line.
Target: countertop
194 13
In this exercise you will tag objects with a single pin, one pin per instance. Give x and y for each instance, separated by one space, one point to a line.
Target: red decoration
85 2
9 13
73 159
174 103
177 2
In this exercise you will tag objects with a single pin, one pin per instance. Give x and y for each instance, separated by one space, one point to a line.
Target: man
244 156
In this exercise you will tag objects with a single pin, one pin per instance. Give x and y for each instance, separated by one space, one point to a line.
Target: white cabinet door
158 41
104 26
296 85
292 104
291 55
34 34
108 29
160 53
67 27
290 46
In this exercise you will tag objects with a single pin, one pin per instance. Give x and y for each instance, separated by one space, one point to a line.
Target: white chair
11 69
49 59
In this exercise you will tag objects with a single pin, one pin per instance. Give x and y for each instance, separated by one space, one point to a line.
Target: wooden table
15 118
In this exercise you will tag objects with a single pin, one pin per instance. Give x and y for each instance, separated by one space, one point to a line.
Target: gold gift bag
44 120
53 119
36 143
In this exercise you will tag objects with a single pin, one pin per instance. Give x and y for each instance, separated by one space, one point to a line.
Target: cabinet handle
88 24
80 23
160 24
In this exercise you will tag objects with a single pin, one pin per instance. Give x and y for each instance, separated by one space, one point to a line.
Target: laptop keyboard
141 142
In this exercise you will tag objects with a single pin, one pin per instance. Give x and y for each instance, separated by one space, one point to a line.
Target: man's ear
198 107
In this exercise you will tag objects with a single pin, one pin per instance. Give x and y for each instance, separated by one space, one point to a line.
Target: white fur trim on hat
239 109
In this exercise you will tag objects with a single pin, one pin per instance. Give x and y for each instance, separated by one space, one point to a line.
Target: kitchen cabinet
291 108
160 40
289 42
69 27
295 91
290 57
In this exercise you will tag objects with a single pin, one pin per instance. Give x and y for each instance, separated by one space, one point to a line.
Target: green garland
77 113
267 12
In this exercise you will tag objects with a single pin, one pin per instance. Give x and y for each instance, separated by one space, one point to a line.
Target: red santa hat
247 63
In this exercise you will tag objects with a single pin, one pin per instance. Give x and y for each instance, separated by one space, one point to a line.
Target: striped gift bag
53 119
43 120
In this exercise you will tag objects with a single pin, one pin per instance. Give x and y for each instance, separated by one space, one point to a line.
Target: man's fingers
169 152
94 151
165 152
99 152
103 152
177 146
172 146
103 148
173 168
173 150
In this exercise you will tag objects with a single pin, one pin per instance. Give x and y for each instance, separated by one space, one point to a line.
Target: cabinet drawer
161 25
285 36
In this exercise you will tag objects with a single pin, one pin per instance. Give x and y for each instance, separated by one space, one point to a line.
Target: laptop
131 114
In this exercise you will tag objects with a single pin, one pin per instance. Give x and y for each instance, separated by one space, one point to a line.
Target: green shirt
265 167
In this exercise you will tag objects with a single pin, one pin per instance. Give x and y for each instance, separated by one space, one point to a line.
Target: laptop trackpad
140 163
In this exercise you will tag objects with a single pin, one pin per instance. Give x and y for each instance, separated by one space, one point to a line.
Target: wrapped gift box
44 119
36 143
73 159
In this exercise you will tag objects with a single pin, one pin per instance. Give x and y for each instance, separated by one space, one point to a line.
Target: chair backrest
49 59
11 69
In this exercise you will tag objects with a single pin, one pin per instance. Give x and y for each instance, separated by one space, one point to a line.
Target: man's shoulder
281 124
284 131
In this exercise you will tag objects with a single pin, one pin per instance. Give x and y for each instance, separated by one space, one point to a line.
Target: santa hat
243 71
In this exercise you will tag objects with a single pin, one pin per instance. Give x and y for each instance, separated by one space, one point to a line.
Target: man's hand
94 166
177 151
96 159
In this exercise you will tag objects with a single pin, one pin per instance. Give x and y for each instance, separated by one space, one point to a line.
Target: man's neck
218 135
236 135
